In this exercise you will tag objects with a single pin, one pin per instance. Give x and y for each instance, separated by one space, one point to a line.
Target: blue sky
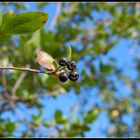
64 102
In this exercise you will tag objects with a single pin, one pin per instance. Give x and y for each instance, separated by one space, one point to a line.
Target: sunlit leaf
69 52
10 126
91 116
0 18
25 23
35 40
5 20
45 60
59 117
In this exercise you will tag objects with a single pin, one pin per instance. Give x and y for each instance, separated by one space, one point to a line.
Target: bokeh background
105 102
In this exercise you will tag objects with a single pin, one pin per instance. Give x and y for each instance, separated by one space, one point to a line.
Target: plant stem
57 69
62 68
25 69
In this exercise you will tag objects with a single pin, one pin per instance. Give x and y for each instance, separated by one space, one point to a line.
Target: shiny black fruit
63 61
74 76
71 65
63 77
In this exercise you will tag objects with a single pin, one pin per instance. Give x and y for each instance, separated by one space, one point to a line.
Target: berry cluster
72 74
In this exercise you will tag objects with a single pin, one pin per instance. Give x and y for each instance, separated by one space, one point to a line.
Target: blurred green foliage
95 42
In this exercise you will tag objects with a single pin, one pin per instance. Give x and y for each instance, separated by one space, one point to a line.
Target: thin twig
17 112
57 69
4 82
62 68
18 83
25 69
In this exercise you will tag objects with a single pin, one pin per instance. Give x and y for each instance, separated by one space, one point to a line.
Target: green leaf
69 52
106 68
91 116
35 40
27 22
85 128
6 18
58 114
40 112
59 117
47 124
10 126
0 18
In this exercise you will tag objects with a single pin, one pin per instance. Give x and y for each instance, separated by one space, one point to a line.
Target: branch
4 82
26 69
58 8
18 82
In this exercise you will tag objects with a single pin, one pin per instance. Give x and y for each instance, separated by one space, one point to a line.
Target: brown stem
26 69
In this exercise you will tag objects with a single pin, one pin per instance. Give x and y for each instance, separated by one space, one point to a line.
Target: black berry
71 65
63 61
63 77
74 76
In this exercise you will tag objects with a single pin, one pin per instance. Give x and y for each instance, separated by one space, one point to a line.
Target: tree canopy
92 30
